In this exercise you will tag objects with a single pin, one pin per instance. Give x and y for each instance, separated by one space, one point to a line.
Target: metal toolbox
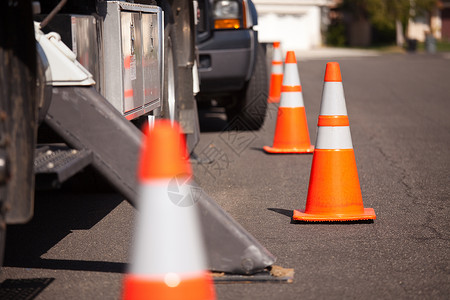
132 42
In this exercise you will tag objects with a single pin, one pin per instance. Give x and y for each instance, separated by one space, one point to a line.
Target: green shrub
335 35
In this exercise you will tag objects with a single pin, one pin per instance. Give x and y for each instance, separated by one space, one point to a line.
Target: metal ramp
89 123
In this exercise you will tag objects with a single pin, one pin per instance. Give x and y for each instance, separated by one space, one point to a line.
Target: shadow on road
24 289
212 119
57 214
284 212
79 265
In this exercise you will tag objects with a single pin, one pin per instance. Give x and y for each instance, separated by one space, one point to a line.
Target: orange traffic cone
291 132
276 76
168 256
334 192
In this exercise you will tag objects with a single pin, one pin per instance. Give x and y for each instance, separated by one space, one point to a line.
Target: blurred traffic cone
168 256
291 132
334 192
276 76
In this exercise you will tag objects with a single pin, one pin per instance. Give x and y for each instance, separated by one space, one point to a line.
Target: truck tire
251 103
169 94
179 24
2 239
18 114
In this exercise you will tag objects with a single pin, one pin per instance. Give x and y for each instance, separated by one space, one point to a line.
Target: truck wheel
251 103
2 238
169 94
170 110
18 114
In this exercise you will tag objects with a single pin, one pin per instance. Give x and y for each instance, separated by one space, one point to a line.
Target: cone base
161 287
288 150
300 215
273 100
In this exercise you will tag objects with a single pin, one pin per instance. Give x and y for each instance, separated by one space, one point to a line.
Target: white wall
296 24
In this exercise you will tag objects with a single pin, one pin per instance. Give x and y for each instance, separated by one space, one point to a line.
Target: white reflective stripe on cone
334 137
291 77
291 99
333 99
277 56
168 236
277 69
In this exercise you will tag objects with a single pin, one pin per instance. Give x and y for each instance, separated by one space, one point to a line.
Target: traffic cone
276 76
291 132
168 256
334 193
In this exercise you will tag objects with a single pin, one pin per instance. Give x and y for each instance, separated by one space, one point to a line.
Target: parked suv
232 63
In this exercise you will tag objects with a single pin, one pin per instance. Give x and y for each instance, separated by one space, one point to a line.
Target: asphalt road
76 247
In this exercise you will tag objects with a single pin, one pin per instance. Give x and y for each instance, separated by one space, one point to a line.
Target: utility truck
76 77
77 80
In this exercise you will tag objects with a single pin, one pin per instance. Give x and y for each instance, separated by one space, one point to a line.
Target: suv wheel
251 103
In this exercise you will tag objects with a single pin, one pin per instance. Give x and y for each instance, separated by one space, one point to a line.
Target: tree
384 14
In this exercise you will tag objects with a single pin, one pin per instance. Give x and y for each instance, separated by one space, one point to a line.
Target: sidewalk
326 52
